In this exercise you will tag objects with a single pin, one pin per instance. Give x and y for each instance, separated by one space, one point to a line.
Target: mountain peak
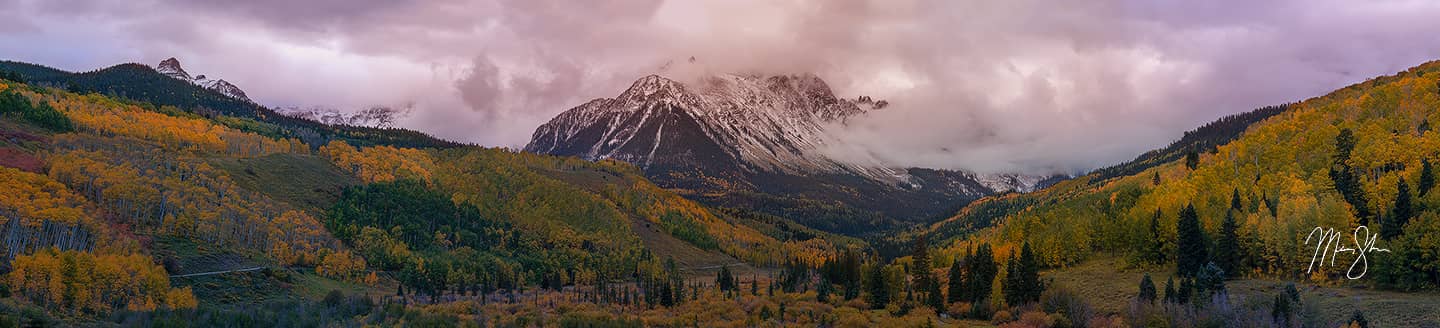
171 67
651 87
227 89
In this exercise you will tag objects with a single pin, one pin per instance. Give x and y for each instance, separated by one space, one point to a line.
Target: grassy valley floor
1111 284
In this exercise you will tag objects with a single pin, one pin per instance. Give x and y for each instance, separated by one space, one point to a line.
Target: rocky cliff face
171 67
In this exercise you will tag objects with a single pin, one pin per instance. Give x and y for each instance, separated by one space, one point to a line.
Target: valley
136 196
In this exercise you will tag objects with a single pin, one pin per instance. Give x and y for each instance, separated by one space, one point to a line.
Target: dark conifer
1190 244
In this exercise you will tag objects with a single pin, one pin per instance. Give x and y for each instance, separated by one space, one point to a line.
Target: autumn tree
341 265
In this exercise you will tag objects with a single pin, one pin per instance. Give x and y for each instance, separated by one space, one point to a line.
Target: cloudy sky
1016 85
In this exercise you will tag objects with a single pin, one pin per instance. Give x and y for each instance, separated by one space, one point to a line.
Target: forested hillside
1359 156
116 208
148 88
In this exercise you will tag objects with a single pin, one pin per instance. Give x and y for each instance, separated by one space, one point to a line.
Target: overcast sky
1015 85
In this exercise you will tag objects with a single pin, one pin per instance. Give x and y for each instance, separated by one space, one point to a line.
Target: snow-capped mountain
772 124
171 67
749 131
374 116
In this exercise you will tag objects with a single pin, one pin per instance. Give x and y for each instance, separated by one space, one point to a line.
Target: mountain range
136 197
753 140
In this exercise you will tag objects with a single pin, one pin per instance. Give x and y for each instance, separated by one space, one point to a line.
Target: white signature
1328 244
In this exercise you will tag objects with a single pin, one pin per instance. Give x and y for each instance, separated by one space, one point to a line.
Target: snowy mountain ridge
171 67
757 124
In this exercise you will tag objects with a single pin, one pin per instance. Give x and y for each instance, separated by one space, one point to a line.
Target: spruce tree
1273 204
1147 290
1028 282
879 293
1394 226
1011 286
1427 178
1022 279
934 298
1345 177
1154 249
1235 200
955 285
920 266
1190 243
1227 247
981 273
1192 159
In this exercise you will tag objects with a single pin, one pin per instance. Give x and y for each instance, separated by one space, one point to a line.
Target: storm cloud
994 86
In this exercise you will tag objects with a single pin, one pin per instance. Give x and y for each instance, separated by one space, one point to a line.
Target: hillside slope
1283 177
114 181
148 87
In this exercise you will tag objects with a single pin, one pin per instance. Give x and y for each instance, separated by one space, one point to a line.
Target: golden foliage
342 265
380 163
82 281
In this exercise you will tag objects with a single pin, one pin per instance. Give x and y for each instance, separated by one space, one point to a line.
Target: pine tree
980 274
1273 204
1235 200
724 280
1190 244
1155 251
1394 226
879 293
1227 247
934 298
1011 285
1147 290
1031 264
1192 159
1346 179
1155 178
1427 178
1022 280
1185 291
920 270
